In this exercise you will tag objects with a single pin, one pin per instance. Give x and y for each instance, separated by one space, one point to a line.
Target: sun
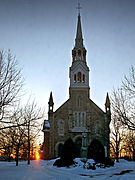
37 156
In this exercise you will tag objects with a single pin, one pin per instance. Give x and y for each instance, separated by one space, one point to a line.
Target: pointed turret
51 103
107 103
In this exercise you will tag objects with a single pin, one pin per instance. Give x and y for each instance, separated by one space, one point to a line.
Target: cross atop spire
78 7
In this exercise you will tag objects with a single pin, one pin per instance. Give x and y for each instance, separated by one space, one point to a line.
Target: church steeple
79 71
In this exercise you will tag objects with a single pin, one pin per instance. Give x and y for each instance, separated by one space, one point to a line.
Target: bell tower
79 71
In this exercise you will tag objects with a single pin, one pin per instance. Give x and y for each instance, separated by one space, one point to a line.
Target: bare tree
32 116
11 83
14 136
129 144
123 100
116 136
22 136
19 140
6 144
129 83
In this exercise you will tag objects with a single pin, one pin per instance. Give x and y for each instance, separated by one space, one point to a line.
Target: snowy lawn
44 170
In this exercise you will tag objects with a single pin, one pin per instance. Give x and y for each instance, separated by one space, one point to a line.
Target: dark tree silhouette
96 151
11 83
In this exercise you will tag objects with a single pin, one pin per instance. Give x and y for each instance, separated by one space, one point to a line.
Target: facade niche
74 77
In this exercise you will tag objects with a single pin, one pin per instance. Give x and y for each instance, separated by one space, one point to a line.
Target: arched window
84 54
79 52
79 120
60 147
79 76
74 77
75 118
83 120
70 122
61 127
83 78
73 55
97 127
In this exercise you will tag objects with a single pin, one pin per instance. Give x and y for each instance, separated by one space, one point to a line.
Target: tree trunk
117 150
9 158
134 155
16 158
117 156
28 142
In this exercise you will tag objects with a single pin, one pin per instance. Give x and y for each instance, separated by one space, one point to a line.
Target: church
79 118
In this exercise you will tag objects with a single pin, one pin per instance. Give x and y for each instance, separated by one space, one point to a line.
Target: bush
69 150
63 163
108 162
67 154
96 151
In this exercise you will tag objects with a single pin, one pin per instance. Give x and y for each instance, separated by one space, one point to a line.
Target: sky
41 34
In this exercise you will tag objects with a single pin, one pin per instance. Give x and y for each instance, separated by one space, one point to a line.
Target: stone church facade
79 118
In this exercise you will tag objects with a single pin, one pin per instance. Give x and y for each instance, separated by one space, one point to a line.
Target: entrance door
78 145
60 147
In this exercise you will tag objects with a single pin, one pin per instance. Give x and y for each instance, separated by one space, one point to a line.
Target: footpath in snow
44 170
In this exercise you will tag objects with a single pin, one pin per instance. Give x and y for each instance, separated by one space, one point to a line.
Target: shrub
69 150
108 162
67 154
63 163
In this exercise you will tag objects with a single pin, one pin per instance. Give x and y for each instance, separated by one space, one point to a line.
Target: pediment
79 66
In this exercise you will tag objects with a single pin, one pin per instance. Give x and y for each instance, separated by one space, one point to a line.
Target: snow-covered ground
44 170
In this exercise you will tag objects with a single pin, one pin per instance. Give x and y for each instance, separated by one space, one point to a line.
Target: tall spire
79 39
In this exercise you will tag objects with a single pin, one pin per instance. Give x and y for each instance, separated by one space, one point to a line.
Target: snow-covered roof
46 130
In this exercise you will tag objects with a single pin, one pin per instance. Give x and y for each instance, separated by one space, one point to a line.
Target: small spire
51 103
107 102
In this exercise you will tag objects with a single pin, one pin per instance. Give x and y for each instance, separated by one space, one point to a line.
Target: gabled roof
92 103
96 106
62 106
76 64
